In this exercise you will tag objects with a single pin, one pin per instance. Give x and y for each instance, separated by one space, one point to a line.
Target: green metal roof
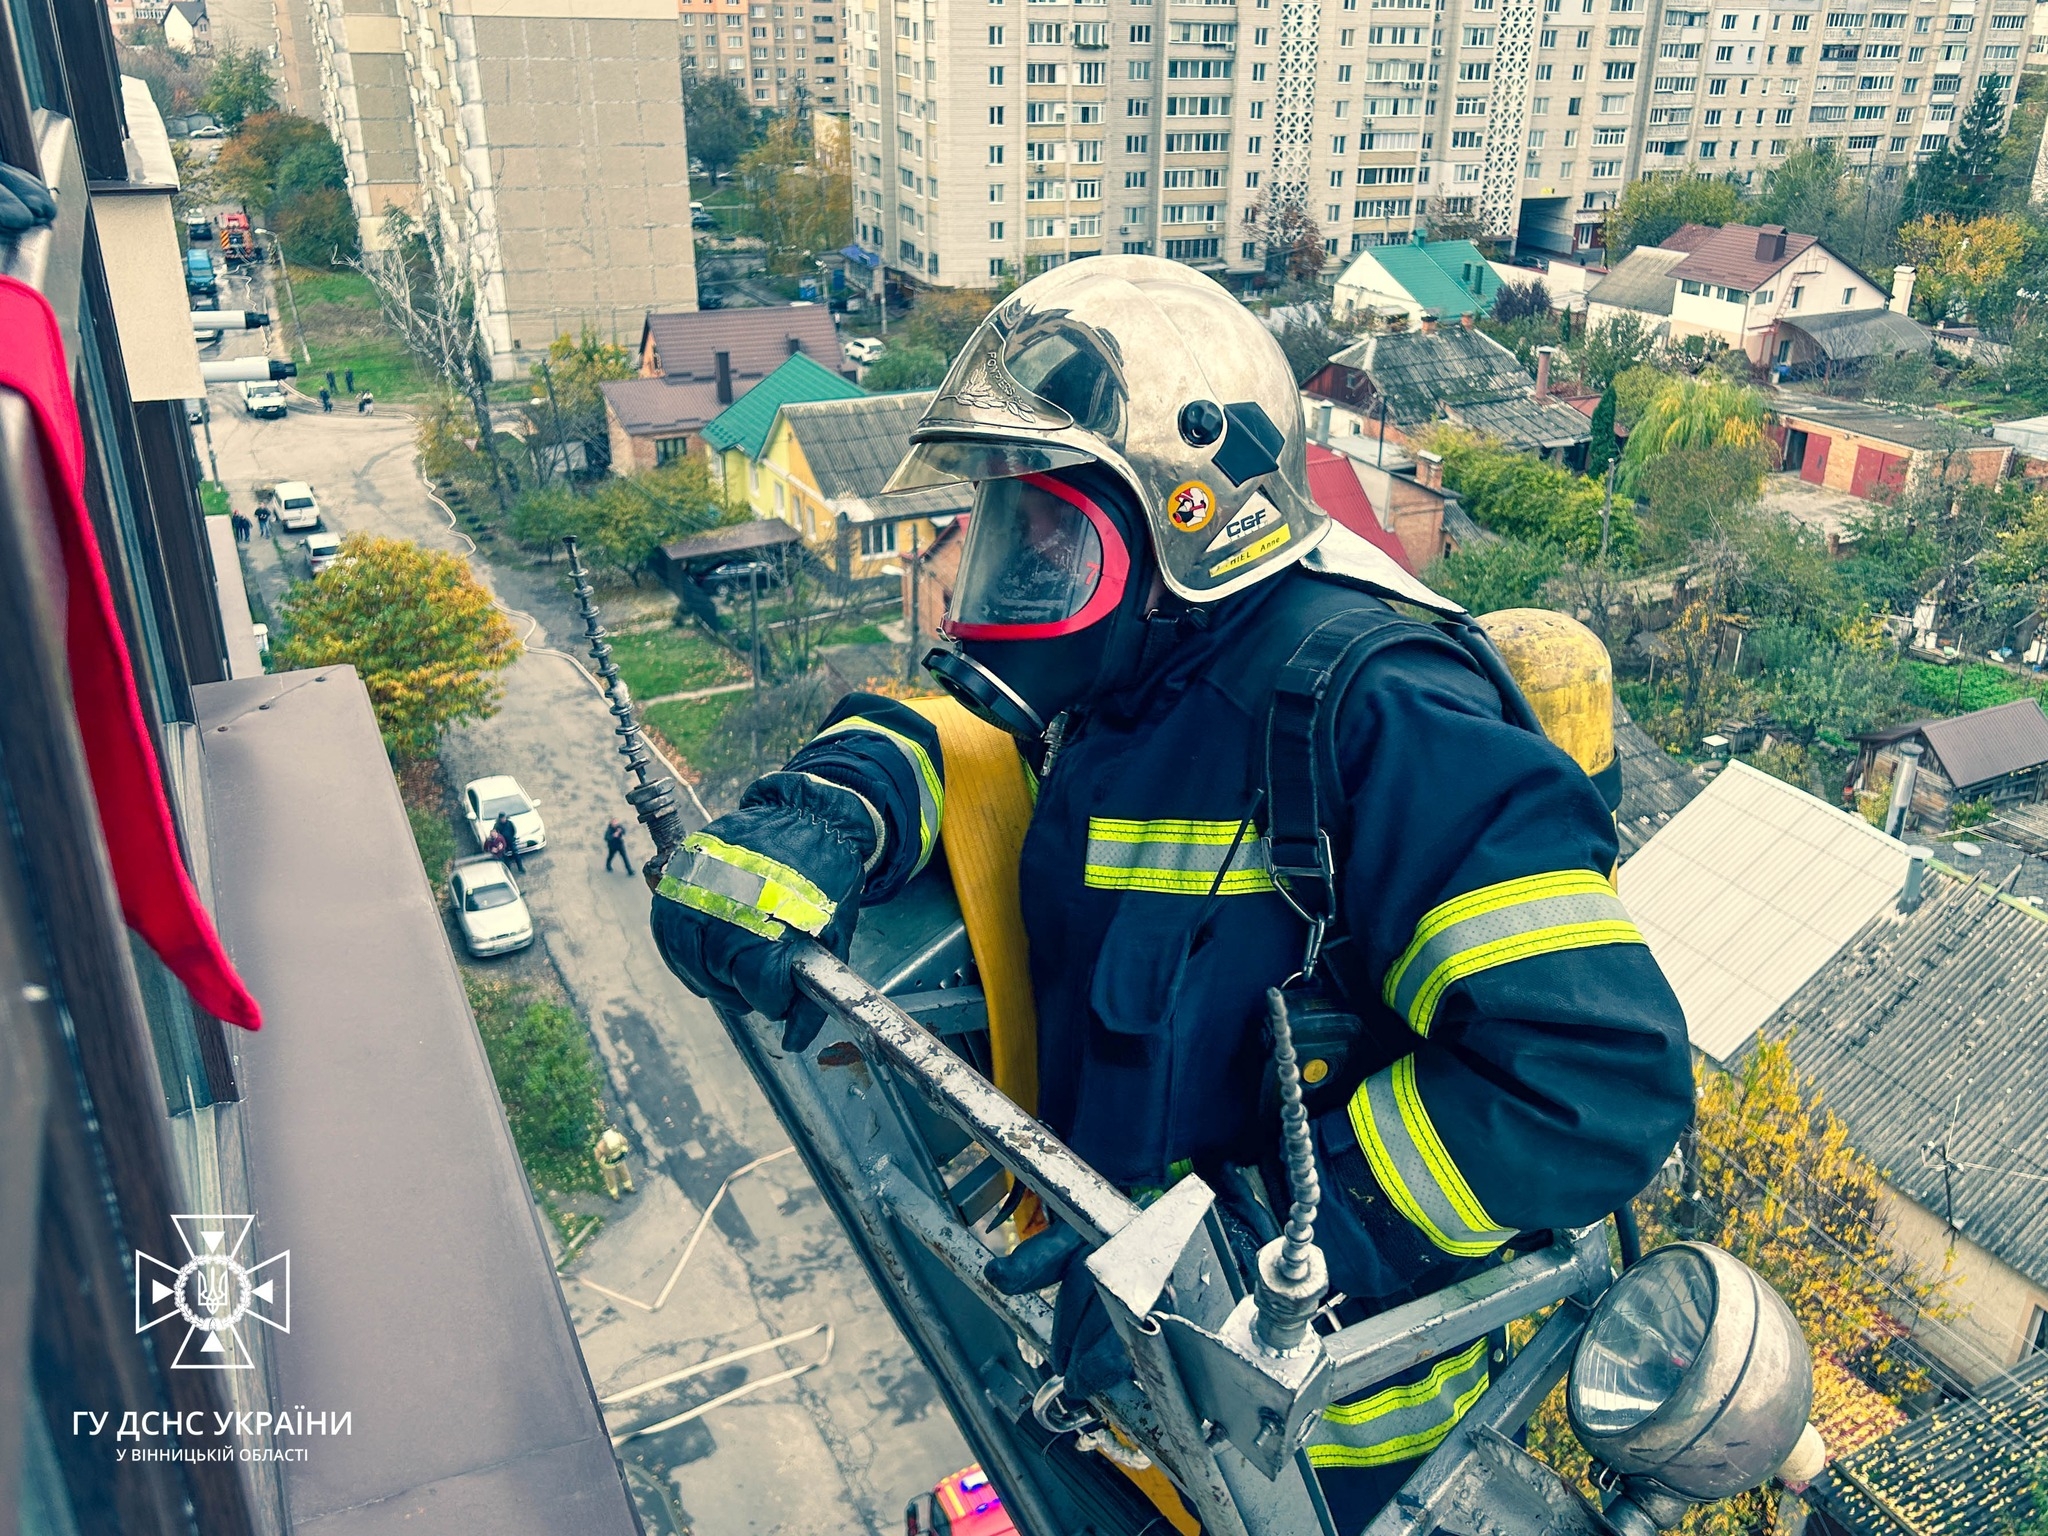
744 424
1434 275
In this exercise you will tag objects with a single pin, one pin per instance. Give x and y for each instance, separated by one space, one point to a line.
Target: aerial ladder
1688 1378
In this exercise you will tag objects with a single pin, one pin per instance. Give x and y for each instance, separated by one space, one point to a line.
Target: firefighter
1136 580
610 1154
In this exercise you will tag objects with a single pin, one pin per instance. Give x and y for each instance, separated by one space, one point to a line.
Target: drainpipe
1902 788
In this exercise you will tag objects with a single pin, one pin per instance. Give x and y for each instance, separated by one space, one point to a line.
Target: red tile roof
757 341
1727 256
1334 484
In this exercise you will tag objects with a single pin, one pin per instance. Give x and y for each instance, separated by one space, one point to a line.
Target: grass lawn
214 498
658 661
863 634
342 329
688 724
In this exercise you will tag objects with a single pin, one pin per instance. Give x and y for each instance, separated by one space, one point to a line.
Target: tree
1958 263
175 80
802 191
548 1080
1524 498
426 638
623 519
944 318
1600 452
720 124
429 300
905 368
567 405
1651 211
1962 177
1292 238
1500 573
290 170
1699 412
240 87
1690 489
1619 342
1634 388
1521 301
1311 341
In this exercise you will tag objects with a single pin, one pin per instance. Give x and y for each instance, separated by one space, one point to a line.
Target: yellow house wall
1998 1303
782 465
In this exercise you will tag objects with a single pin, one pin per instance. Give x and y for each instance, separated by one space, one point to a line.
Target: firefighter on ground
610 1153
1142 562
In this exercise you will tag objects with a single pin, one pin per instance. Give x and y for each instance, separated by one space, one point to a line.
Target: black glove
1085 1347
787 865
24 201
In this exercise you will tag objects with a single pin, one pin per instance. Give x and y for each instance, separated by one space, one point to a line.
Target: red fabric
1334 485
157 898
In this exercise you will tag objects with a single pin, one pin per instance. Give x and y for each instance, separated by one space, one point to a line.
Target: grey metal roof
1989 743
1969 1468
1930 1030
853 446
1748 891
736 538
1463 376
1852 334
1936 430
646 406
1655 786
1641 281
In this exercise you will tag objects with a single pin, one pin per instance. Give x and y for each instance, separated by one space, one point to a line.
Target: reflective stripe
1534 915
1400 1423
1413 1167
1176 858
746 888
931 789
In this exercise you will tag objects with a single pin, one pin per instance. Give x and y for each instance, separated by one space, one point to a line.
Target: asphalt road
837 1449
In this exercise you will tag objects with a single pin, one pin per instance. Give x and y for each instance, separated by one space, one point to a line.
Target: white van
296 507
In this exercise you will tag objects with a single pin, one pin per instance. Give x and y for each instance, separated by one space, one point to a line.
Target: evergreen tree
1602 450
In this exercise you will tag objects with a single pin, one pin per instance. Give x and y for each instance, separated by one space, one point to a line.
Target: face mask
1045 577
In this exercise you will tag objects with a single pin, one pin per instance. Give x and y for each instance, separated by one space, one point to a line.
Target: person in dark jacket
1142 561
504 828
615 846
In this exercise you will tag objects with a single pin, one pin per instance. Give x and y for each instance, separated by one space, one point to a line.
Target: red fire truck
965 1504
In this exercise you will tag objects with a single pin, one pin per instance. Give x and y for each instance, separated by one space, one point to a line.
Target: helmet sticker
1258 549
1191 506
1255 516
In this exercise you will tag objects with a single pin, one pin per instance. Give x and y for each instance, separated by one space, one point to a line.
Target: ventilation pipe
1543 371
722 361
1429 322
1770 243
1916 878
1902 289
1902 787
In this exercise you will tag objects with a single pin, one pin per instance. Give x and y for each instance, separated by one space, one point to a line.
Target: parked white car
483 800
322 550
864 349
489 910
296 508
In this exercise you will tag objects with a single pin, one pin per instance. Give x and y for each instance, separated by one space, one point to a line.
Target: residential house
1915 997
739 433
929 577
187 28
1640 284
1451 277
1866 449
695 363
1998 755
1400 383
1406 494
822 469
1337 487
1824 346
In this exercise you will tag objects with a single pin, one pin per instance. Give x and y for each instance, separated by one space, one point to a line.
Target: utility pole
914 615
754 618
1607 510
206 426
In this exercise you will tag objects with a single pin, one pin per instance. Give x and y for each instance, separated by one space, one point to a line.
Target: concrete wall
1998 1302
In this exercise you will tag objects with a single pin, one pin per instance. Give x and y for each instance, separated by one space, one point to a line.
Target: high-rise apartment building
782 53
545 142
1060 129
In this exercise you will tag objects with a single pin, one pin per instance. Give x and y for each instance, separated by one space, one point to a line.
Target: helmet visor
1041 560
948 461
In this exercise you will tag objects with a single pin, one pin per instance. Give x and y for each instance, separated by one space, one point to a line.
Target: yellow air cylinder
1564 671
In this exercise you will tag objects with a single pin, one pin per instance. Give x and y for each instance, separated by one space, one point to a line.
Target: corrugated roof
1852 334
1728 255
1989 743
756 341
1463 376
1931 1028
646 406
734 538
744 424
1435 275
1655 786
1969 1468
1642 281
1937 430
1333 482
853 446
1748 891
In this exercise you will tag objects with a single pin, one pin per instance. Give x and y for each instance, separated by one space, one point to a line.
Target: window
1045 111
1797 295
1624 37
878 538
1197 143
995 154
1603 137
1539 105
1138 144
1138 106
1088 74
1548 39
1198 69
1192 250
1475 72
1802 22
1678 50
995 117
1467 138
1621 70
1470 106
1134 179
1141 34
1725 54
1796 55
995 37
1203 106
1617 103
2037 1326
1571 106
1717 87
1091 34
1479 37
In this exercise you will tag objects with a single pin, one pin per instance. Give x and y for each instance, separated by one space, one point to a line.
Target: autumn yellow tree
1768 1173
1708 411
425 636
801 187
1958 261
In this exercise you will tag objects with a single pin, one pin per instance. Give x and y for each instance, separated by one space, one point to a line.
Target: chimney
1770 243
1322 433
1543 371
1902 289
1902 787
1429 469
795 346
1916 878
1429 322
1469 319
722 361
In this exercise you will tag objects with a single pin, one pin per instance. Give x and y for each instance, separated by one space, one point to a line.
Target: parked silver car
488 908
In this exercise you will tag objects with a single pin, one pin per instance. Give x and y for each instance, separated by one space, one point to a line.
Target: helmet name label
1255 515
1258 549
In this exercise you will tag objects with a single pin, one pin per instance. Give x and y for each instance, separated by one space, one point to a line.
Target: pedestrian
348 379
330 381
494 844
504 828
615 846
240 520
263 519
610 1154
326 396
366 405
1515 1059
